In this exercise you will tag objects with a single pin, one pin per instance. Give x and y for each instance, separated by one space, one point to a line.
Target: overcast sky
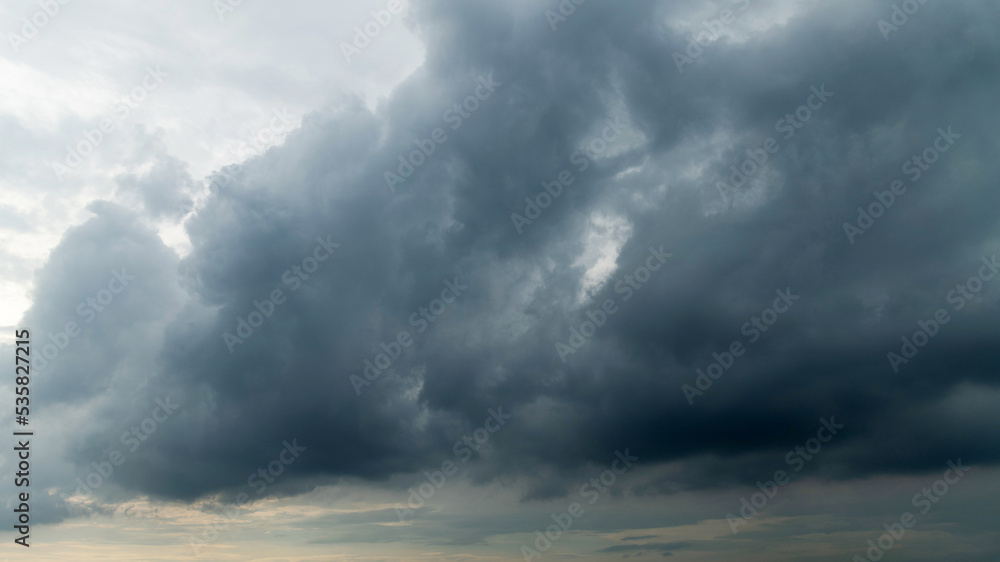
504 280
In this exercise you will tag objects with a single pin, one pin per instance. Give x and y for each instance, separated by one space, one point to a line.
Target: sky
501 280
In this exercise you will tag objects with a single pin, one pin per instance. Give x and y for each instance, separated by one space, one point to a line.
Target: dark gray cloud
451 219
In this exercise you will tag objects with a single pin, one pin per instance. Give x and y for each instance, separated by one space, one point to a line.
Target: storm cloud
783 213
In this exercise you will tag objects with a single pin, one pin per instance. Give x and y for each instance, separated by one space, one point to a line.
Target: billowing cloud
620 235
